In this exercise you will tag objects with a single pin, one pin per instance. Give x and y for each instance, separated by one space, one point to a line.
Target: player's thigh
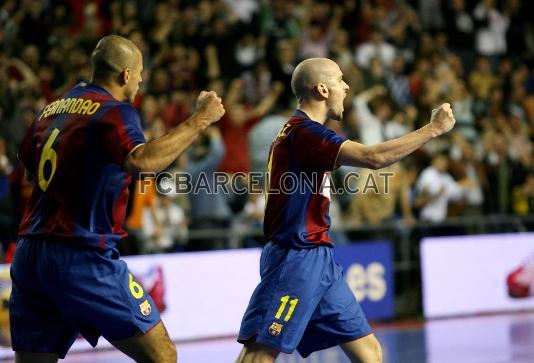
282 305
152 346
37 326
99 296
37 323
253 352
25 357
366 349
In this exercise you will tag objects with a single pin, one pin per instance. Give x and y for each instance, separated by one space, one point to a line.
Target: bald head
309 73
112 55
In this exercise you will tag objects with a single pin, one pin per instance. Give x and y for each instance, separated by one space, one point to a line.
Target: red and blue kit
301 159
302 301
67 275
75 152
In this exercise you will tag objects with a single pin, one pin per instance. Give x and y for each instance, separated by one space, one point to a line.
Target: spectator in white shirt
491 29
376 47
371 119
435 188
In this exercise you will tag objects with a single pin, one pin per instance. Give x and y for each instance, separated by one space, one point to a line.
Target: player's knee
378 352
167 354
365 350
374 353
173 353
256 353
257 357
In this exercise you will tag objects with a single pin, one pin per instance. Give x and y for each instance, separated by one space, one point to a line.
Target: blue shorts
60 290
302 302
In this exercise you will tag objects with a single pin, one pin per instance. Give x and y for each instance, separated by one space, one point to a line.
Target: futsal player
80 153
302 301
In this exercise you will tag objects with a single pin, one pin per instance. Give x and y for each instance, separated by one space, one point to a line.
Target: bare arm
30 78
367 95
158 154
381 155
212 61
267 103
234 92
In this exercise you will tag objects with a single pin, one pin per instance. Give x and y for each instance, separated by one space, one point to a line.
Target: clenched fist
209 107
442 119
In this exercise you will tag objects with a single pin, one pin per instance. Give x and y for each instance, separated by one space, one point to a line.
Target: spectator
431 15
282 67
236 125
401 124
481 79
165 229
339 49
371 121
398 83
465 166
435 189
143 200
462 106
523 196
460 30
209 206
516 11
491 24
380 194
500 170
261 136
376 47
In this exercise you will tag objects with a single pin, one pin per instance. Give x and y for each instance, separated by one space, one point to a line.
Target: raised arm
268 102
381 155
158 154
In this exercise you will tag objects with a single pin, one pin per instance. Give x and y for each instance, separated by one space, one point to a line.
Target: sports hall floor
489 339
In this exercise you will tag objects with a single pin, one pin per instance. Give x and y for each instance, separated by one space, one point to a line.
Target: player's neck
113 89
315 111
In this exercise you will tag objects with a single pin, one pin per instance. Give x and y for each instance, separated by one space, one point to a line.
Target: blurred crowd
400 58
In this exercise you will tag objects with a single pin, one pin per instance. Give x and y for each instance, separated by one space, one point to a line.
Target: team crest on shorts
145 308
275 329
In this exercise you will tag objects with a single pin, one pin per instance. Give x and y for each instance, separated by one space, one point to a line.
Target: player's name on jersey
71 105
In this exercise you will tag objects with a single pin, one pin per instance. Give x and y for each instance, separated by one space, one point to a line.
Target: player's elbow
133 166
355 154
375 159
136 162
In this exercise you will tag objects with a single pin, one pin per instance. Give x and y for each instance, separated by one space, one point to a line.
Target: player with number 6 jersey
81 153
75 152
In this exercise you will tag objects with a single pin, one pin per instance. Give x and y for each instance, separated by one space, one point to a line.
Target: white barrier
467 275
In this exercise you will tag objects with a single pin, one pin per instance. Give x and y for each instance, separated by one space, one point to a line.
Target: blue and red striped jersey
302 156
75 152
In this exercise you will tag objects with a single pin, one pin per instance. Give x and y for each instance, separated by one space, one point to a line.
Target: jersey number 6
135 288
48 154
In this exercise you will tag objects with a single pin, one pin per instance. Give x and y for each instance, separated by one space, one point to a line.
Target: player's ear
124 76
322 90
